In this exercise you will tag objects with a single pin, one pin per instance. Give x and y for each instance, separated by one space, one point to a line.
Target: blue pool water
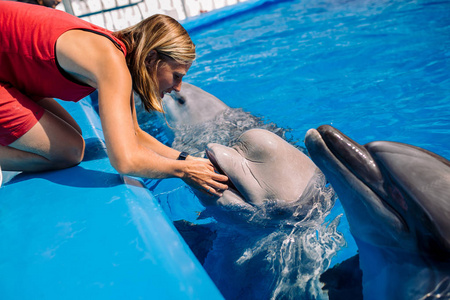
376 70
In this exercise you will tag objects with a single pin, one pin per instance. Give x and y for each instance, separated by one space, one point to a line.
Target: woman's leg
50 144
36 137
54 107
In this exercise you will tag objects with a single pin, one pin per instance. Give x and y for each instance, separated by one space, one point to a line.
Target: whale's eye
180 100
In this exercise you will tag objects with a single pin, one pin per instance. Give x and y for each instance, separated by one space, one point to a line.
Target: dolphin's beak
352 172
353 155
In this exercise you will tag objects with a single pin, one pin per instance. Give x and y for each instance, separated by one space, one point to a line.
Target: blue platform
88 233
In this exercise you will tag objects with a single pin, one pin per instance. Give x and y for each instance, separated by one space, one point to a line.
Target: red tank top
28 35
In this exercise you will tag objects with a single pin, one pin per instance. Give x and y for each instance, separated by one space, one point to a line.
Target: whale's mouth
216 165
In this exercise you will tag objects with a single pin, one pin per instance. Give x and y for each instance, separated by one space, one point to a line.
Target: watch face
182 156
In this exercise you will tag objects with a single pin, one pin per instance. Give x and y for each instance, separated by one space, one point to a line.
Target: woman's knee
55 143
19 157
70 155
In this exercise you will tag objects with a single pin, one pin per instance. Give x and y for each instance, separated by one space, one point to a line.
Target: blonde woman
46 54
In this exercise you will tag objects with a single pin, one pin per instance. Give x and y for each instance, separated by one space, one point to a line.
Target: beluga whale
275 207
191 105
197 118
264 168
396 198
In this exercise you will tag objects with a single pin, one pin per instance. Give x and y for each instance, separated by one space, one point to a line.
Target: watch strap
182 156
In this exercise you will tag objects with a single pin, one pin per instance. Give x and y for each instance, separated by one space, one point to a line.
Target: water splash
299 250
441 291
224 129
276 251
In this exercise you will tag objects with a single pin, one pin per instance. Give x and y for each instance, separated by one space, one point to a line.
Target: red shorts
18 114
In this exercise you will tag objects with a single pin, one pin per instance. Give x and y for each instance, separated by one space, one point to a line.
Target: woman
46 53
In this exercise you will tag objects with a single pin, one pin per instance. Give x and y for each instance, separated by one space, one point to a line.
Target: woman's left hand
200 174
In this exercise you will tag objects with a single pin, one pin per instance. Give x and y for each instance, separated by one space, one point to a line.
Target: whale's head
395 196
262 167
191 105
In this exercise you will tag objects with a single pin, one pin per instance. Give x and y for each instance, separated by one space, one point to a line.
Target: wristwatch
182 156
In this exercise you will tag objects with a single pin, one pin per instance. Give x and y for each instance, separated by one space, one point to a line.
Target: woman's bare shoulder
88 56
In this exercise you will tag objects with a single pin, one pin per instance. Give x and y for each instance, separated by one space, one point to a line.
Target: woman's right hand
200 174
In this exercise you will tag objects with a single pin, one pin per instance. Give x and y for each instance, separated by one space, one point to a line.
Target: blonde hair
170 41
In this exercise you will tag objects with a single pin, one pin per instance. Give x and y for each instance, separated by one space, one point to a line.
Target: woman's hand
200 174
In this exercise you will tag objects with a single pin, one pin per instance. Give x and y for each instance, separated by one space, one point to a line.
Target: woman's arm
94 60
192 177
146 139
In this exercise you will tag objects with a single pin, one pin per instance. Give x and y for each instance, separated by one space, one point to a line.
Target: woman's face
169 76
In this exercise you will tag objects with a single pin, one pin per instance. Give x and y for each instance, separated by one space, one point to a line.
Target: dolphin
396 198
262 167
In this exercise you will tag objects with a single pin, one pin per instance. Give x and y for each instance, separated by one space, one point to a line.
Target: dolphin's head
191 105
262 167
394 195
